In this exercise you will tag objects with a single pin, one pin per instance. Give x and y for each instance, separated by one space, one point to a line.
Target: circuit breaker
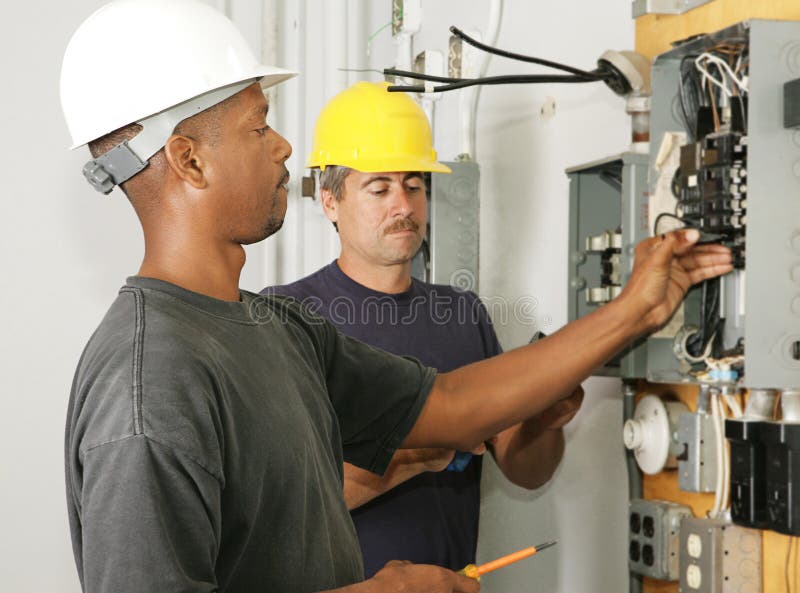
653 537
717 557
782 474
748 484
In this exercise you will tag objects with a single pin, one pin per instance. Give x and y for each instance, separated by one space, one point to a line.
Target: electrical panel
717 557
737 177
606 201
720 161
653 537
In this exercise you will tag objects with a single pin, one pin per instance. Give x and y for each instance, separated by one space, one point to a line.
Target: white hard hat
136 59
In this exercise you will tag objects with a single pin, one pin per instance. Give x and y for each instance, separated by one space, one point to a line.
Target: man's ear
185 160
330 205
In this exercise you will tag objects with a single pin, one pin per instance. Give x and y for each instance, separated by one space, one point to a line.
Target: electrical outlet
697 463
718 557
654 526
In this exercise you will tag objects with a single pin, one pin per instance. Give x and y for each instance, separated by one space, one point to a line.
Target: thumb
685 240
479 450
664 248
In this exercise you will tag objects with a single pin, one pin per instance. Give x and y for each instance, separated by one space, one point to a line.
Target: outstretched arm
473 403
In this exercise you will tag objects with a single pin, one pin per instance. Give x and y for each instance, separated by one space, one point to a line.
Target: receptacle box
654 527
718 557
697 463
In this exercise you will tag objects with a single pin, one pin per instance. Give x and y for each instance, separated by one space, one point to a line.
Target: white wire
718 490
726 466
733 405
724 68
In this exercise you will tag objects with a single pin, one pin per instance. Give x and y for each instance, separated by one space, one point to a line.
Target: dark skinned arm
469 405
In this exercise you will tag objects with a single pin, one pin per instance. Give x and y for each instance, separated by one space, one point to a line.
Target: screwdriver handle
471 571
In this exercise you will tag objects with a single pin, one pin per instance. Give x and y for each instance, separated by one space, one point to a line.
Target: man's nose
402 203
283 150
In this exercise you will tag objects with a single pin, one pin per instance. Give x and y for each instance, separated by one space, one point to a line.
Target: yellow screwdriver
475 572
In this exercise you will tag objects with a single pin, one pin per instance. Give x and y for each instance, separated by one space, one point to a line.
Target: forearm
527 454
473 403
361 486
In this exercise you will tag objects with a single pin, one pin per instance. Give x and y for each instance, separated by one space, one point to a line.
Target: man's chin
272 227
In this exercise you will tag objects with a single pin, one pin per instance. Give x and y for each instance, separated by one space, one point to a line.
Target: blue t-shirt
433 517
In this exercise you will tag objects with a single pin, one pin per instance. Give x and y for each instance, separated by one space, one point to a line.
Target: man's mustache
403 224
285 179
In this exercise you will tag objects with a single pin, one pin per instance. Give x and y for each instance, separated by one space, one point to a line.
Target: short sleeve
377 397
150 520
491 345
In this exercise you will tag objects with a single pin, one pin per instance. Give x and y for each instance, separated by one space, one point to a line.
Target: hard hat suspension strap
131 156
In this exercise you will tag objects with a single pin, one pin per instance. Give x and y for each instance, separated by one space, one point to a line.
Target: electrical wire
665 215
491 80
523 58
788 563
419 76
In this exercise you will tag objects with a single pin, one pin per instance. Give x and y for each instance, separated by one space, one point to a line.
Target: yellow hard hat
369 129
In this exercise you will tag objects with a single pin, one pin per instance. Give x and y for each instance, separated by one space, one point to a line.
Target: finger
683 240
466 585
710 248
480 449
694 260
707 272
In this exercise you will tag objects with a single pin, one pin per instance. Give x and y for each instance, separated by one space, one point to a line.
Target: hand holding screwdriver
475 572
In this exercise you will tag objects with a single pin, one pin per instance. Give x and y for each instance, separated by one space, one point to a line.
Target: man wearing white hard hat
207 426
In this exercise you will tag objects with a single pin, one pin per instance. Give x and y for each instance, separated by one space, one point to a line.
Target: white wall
66 250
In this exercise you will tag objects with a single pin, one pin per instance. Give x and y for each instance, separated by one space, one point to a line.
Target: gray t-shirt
205 441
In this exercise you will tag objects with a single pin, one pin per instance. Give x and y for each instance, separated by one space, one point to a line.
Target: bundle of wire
575 75
711 80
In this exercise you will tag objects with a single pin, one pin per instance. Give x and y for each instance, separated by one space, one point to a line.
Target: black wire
522 58
418 76
492 80
665 215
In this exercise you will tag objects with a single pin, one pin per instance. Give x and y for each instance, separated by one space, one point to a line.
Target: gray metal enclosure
770 307
606 196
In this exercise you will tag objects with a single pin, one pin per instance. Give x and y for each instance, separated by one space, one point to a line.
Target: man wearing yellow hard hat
207 425
372 148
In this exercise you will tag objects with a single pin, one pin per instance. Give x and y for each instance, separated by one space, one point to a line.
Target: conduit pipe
468 101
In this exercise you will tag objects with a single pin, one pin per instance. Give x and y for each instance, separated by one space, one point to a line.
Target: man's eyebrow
259 113
375 178
412 175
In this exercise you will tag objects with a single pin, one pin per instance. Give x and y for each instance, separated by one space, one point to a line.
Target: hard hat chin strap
131 156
